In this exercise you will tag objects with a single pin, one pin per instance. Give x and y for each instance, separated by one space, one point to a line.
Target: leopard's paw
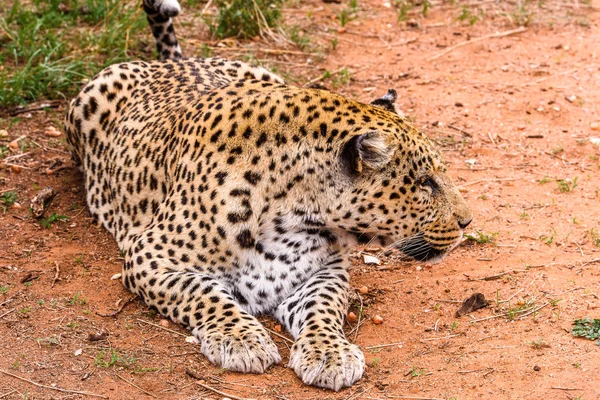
331 365
252 351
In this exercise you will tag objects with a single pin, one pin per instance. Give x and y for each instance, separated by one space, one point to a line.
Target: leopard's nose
465 223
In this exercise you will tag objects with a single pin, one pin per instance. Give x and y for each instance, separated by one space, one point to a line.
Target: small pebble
351 317
277 328
17 206
3 133
52 132
16 169
78 352
595 126
536 368
363 290
14 145
115 277
191 339
378 320
164 323
367 259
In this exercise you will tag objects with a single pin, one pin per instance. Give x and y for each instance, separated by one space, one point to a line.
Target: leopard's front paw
332 363
251 351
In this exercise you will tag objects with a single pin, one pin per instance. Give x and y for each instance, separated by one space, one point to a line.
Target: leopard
234 195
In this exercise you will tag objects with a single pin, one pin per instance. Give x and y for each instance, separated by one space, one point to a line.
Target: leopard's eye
430 183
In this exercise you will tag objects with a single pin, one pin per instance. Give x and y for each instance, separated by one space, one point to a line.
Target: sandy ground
515 118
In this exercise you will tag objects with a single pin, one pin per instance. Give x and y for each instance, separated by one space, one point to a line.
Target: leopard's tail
159 14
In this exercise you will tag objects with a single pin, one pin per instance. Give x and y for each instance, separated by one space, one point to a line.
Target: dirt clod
40 203
474 302
96 337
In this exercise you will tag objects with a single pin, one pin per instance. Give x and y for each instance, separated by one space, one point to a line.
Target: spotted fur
232 194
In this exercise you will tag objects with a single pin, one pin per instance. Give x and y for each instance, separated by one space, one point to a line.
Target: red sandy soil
512 114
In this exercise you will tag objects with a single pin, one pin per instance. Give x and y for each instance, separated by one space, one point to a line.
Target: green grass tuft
41 45
245 18
587 328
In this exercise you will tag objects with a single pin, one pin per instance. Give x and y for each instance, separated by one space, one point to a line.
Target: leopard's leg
314 315
159 14
229 337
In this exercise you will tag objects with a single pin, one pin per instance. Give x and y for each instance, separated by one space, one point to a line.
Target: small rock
419 268
78 352
556 108
458 104
41 201
3 133
536 368
96 337
378 320
571 98
191 339
363 290
17 206
164 323
367 259
278 328
540 109
595 140
351 317
504 68
14 145
595 126
16 169
115 277
52 131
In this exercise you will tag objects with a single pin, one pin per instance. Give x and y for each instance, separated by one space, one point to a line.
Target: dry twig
57 268
160 327
52 387
479 39
136 386
118 311
192 374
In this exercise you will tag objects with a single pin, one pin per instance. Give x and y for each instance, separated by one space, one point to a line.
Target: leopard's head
398 189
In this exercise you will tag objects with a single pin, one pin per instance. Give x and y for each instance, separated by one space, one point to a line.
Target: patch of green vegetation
548 239
300 37
416 372
339 78
566 185
522 16
43 42
25 310
482 237
114 358
513 312
4 289
539 344
3 151
467 15
545 180
48 221
77 299
595 237
587 328
245 18
47 341
8 199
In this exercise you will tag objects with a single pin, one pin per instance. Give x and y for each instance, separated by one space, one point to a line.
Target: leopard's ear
372 150
387 101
